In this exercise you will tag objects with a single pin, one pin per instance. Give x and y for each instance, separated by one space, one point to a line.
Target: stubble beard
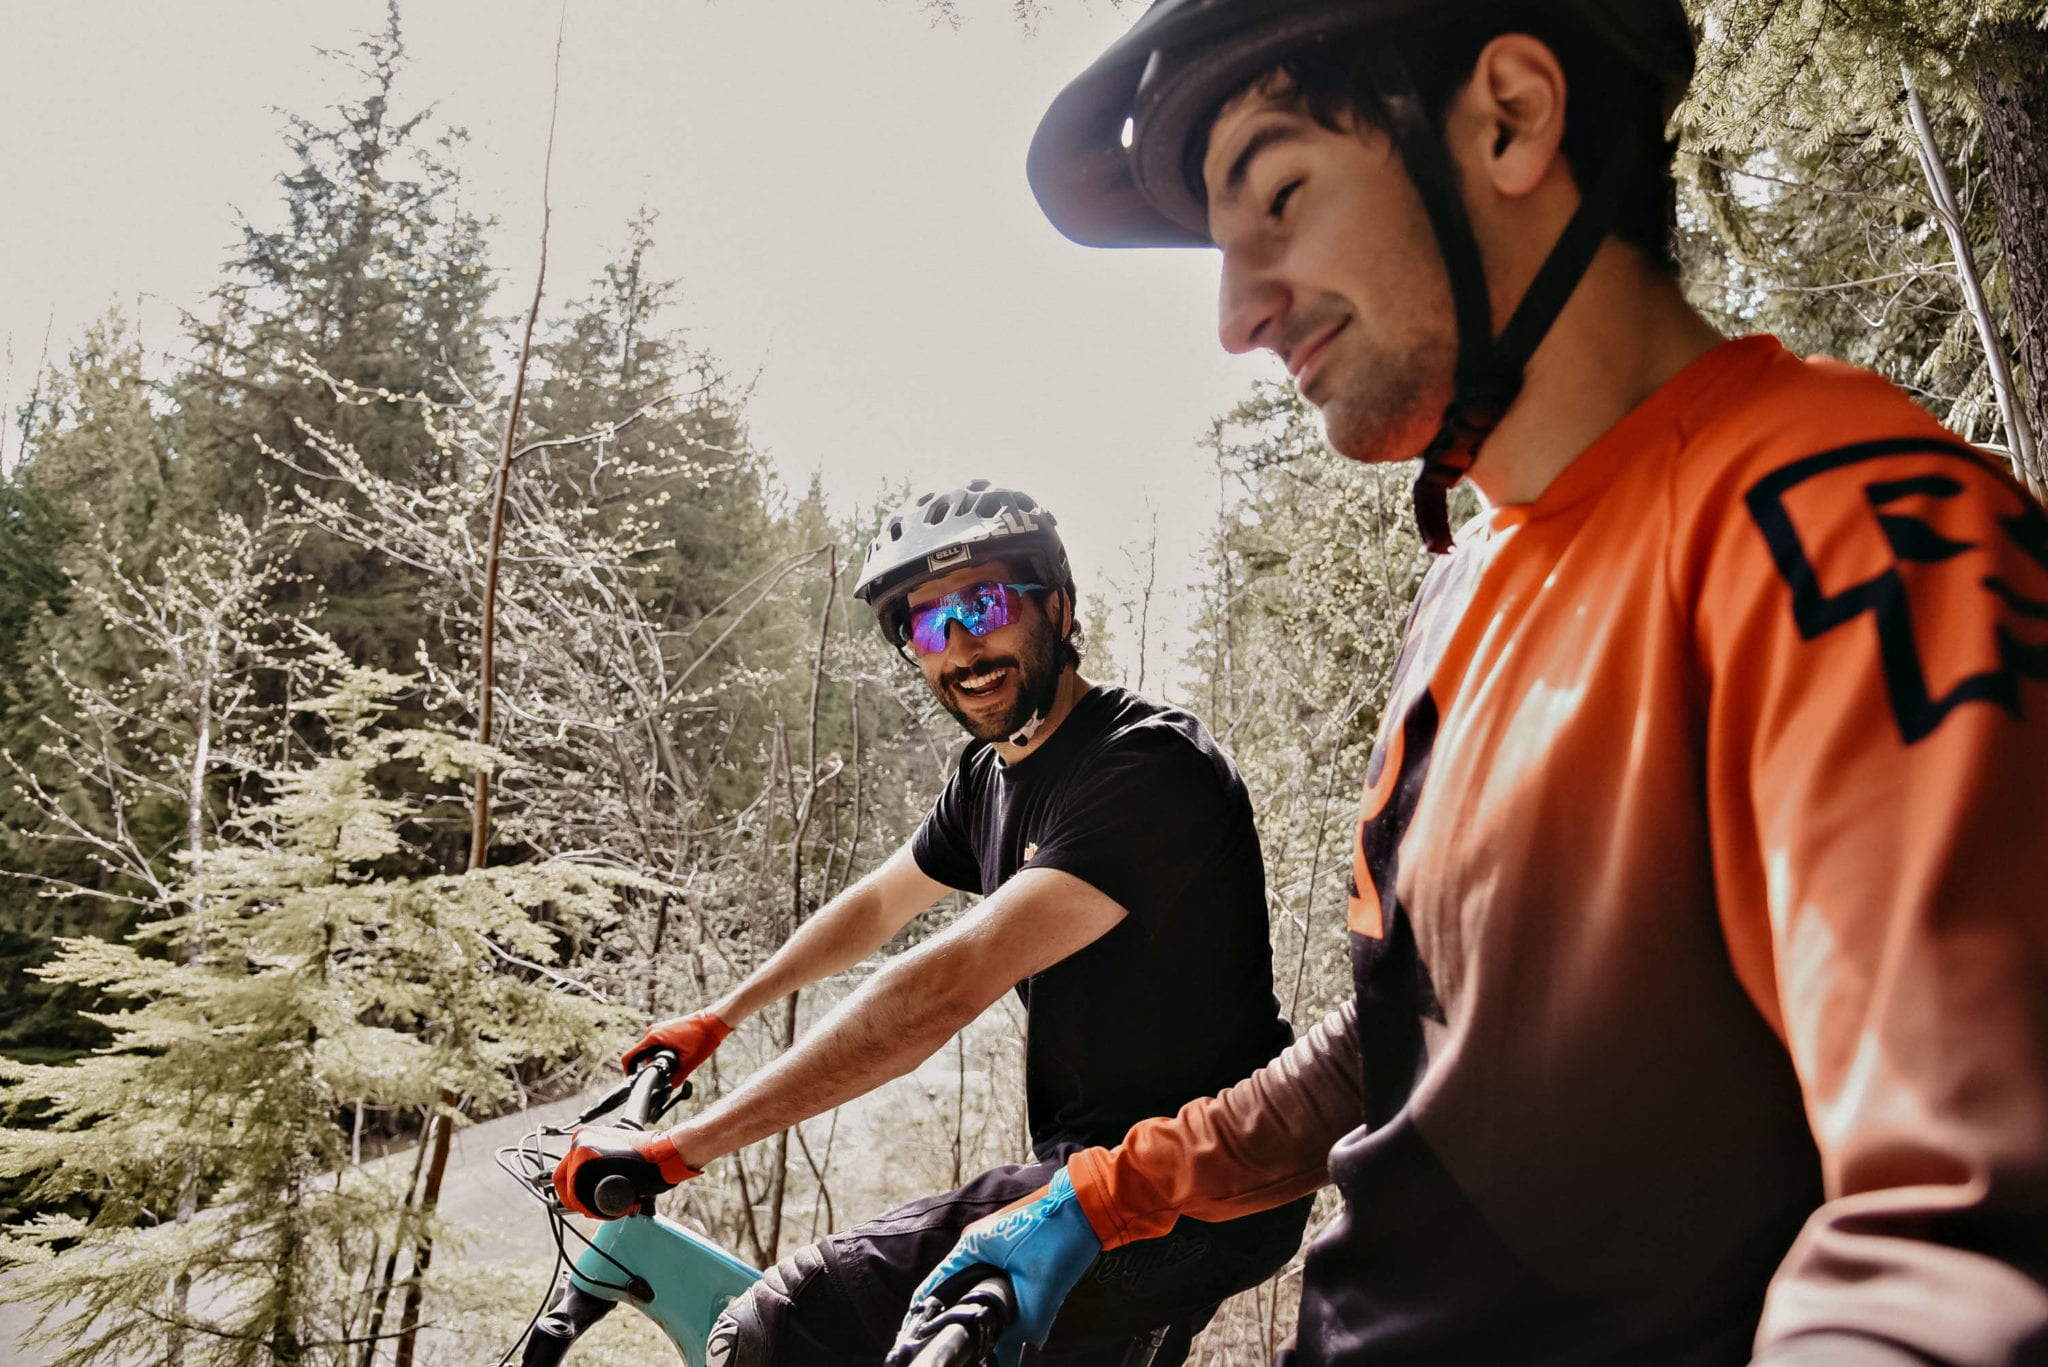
1038 681
1386 403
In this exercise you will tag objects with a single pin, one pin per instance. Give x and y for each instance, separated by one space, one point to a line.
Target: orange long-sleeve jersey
1701 927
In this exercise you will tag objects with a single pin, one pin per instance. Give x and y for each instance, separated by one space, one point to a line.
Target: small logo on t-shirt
1030 852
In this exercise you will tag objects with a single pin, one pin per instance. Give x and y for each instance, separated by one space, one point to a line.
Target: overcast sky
841 191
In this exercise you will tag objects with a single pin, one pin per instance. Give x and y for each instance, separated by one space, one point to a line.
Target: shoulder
1846 523
1778 419
1159 736
1795 461
978 760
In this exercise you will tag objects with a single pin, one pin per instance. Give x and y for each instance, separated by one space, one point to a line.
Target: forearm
1258 1145
894 1022
842 933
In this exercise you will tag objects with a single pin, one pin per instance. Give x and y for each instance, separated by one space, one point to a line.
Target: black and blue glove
1045 1247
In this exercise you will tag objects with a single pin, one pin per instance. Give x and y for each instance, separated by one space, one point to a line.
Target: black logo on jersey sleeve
1799 513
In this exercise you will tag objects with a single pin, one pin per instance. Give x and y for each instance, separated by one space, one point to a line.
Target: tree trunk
423 1255
2014 93
390 1274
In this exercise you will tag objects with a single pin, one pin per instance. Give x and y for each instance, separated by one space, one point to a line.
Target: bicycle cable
533 1167
537 1163
533 1163
527 1179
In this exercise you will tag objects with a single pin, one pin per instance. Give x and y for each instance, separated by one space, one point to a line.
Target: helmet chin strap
1490 369
1022 737
1042 709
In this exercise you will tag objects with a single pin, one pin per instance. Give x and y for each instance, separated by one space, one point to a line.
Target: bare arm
900 1016
853 925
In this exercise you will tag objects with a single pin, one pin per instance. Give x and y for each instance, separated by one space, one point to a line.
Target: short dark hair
1331 82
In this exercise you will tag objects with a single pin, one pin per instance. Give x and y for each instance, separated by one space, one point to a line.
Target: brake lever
664 1061
612 1100
683 1092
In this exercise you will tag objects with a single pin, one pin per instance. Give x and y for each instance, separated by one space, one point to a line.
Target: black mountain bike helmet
1111 161
940 531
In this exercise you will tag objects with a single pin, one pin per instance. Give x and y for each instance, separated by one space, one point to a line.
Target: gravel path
888 1145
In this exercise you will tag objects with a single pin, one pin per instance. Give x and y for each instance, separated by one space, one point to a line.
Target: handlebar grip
968 1331
996 1292
950 1347
614 1196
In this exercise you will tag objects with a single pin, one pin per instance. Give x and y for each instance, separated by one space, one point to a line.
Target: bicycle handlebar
964 1333
647 1093
643 1098
615 1196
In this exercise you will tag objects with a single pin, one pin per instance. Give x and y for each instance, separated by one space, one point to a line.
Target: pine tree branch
2019 431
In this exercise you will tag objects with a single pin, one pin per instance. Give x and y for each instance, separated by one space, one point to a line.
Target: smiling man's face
1329 262
992 684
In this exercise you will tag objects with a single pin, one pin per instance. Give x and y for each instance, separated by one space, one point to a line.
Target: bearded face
995 684
994 695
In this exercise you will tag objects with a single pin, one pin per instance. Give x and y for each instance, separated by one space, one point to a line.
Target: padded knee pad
749 1331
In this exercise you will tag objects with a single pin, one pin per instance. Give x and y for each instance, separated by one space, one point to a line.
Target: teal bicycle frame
692 1279
681 1281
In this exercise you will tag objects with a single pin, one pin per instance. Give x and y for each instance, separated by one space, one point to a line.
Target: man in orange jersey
1701 967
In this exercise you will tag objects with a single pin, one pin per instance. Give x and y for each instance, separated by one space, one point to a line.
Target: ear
1508 121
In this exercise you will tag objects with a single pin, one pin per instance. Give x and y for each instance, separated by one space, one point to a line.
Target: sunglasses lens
980 609
928 629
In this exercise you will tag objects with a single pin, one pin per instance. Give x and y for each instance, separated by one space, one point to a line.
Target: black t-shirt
1176 1001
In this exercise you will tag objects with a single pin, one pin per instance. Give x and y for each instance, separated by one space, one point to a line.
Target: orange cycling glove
648 1161
693 1038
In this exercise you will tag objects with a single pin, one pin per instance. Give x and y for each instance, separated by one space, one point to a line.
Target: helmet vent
948 527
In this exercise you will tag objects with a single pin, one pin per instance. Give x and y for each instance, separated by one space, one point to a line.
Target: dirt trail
881 1155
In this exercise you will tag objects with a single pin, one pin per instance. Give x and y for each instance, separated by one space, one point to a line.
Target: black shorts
840 1301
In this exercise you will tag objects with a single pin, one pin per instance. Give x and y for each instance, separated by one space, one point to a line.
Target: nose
1250 305
962 645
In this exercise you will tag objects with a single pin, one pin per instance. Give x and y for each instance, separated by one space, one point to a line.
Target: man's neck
1625 333
1069 692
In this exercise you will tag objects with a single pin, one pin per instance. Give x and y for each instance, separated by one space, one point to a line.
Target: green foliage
1806 212
1315 564
99 456
295 982
364 309
140 726
32 533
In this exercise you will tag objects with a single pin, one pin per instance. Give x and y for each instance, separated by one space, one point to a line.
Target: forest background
259 967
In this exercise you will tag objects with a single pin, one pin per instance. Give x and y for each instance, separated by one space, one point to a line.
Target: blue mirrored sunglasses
980 608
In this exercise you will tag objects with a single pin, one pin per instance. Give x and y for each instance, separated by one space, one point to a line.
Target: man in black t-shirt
1123 900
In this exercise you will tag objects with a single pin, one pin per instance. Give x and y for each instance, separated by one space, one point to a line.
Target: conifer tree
364 310
94 487
32 535
688 468
1308 547
100 457
1803 113
294 981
